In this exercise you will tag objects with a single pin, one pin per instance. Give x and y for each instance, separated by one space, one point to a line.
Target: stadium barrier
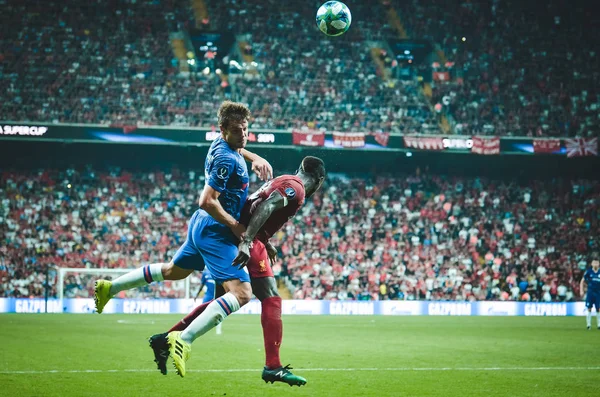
306 307
287 139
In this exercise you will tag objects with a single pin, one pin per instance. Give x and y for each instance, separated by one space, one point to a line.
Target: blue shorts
592 299
210 244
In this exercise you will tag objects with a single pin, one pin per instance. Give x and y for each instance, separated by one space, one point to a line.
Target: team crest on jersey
262 266
222 172
290 192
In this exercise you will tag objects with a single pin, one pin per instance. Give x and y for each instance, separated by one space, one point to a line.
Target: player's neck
304 179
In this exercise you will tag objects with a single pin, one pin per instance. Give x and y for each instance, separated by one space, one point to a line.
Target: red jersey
291 189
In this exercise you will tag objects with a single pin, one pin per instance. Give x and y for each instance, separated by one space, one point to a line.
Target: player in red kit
264 213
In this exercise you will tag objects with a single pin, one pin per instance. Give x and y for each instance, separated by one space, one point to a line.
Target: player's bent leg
180 342
160 346
241 290
171 271
104 290
218 310
187 320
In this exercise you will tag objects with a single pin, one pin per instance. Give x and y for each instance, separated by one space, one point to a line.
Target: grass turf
108 355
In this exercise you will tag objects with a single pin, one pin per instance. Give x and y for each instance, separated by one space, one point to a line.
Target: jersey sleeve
219 172
292 192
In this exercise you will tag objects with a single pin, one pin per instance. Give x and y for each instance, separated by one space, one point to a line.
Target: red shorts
259 265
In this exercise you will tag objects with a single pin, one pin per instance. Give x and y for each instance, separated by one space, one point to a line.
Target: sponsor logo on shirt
222 172
290 192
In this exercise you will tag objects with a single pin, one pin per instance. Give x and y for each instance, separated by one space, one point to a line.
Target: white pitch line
400 369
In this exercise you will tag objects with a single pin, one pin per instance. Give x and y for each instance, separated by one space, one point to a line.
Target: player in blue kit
591 277
213 231
208 282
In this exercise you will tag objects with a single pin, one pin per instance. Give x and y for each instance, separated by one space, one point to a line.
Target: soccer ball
333 18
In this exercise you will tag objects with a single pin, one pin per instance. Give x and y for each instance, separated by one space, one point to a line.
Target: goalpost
102 273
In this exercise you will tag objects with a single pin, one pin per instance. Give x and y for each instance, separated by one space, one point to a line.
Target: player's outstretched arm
209 202
258 219
259 165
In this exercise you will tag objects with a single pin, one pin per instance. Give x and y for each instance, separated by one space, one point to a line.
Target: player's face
596 265
236 134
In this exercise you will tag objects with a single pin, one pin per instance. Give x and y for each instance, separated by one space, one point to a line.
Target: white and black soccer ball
334 18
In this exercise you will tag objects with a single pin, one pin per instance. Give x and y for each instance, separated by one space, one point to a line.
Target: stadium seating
415 237
88 66
524 68
110 62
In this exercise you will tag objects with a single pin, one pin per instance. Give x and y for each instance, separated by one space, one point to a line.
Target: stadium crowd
308 79
518 67
419 236
111 62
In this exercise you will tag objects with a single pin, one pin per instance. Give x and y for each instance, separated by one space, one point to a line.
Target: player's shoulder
291 185
287 179
224 154
220 147
292 179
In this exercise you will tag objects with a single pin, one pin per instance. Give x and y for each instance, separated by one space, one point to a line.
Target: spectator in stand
406 237
516 68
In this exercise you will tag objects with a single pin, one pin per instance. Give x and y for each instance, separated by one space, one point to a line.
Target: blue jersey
209 282
592 279
226 172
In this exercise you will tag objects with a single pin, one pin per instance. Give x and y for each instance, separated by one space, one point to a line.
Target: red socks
272 330
180 326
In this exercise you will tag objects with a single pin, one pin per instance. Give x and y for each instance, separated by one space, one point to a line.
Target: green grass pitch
108 355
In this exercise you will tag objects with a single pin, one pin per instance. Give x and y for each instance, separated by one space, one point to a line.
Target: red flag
308 138
424 143
349 139
382 138
546 145
580 147
486 145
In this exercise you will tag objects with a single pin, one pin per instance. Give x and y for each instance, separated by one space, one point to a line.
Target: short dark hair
314 166
232 112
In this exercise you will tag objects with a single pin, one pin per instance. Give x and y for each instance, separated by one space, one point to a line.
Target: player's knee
167 270
264 288
269 293
272 288
243 293
170 271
